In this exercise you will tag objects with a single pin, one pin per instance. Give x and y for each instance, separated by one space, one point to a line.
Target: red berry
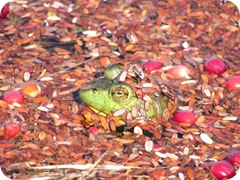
185 117
4 11
222 169
13 96
93 129
233 157
150 66
233 83
10 130
178 72
215 66
156 146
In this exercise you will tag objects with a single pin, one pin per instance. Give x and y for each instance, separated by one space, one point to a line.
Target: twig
86 167
87 173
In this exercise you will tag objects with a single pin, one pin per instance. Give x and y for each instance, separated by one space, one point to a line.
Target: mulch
63 45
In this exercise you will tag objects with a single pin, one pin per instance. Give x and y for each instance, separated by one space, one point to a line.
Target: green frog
106 94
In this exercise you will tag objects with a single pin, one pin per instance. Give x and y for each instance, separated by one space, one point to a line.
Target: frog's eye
120 94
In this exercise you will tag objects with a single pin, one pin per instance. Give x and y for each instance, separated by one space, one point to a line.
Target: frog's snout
77 97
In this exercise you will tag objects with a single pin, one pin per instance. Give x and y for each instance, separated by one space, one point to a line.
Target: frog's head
104 95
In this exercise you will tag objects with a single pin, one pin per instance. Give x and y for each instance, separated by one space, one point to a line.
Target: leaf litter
64 45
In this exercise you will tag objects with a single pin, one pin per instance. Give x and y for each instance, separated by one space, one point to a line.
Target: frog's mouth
97 111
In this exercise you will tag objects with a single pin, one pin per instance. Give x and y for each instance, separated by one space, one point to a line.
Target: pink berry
4 11
233 83
233 157
178 72
10 130
13 96
215 66
222 169
185 117
150 66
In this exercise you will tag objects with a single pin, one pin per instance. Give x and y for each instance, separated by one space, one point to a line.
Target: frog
107 94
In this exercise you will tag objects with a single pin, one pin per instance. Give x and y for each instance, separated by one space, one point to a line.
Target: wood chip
119 112
42 108
148 145
138 130
205 138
